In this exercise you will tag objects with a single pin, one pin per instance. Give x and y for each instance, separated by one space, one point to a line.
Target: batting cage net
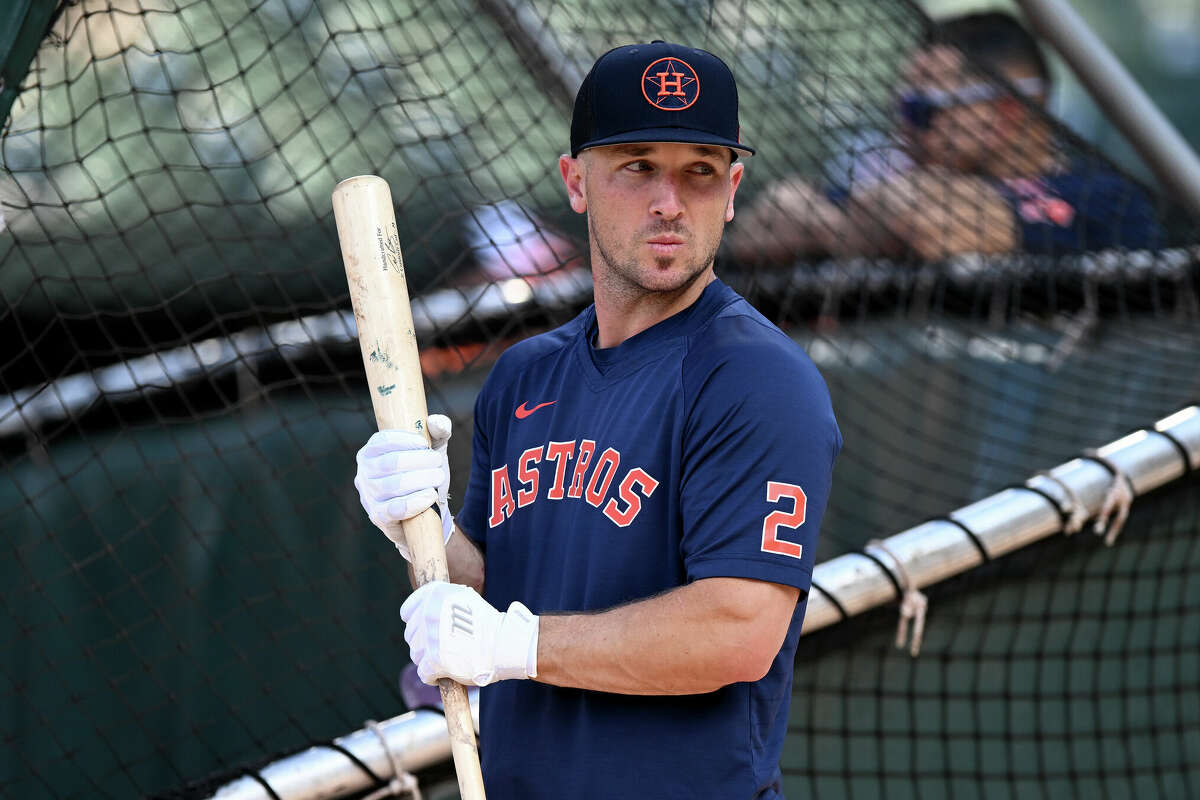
189 588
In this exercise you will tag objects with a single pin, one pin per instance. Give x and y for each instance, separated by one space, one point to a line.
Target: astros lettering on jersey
590 484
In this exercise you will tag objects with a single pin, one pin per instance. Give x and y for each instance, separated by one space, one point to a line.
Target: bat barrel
366 222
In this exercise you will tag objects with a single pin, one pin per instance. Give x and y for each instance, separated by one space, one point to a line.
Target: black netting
189 585
1065 670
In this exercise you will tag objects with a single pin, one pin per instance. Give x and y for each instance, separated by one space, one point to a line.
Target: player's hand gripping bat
366 225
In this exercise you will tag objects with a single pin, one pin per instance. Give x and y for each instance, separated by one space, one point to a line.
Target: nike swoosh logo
523 412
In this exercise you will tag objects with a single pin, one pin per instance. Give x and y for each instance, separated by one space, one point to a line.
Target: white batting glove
452 632
399 476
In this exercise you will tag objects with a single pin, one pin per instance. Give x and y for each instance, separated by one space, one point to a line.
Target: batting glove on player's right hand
452 632
399 476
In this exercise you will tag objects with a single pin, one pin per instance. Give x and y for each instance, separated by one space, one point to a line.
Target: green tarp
23 25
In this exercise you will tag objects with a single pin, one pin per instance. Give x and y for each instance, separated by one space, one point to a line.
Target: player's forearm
465 561
938 214
790 220
690 640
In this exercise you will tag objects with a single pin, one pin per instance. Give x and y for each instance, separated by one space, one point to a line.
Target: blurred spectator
510 241
978 169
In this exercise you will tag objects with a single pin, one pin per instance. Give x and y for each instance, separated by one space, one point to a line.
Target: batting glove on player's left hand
452 632
399 476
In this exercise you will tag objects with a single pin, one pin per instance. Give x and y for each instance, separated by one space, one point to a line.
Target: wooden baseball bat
366 225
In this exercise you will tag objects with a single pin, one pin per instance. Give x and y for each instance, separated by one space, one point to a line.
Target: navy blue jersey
701 447
1084 207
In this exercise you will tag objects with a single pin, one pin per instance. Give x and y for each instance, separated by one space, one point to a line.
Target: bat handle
424 535
462 739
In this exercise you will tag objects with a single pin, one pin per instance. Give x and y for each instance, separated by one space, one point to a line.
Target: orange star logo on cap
670 84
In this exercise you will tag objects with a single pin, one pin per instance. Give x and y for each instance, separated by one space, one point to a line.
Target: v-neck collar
602 366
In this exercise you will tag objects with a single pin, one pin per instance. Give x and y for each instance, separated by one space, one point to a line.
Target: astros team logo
670 84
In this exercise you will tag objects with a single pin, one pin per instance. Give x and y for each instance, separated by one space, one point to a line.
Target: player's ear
736 170
573 178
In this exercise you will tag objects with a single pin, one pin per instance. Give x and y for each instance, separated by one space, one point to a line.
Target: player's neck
623 312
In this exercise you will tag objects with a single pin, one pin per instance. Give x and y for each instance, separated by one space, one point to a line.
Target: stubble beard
624 276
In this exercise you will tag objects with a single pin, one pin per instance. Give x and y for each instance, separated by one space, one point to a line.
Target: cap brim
681 135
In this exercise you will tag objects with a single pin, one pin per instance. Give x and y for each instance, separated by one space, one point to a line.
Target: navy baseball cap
657 92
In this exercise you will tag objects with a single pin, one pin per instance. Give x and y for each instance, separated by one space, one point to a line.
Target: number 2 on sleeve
771 543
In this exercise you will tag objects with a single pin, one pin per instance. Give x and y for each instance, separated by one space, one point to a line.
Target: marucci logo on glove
461 620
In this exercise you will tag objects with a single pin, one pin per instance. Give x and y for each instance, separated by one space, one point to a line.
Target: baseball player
633 554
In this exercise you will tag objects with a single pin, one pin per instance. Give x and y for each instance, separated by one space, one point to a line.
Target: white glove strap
516 644
447 530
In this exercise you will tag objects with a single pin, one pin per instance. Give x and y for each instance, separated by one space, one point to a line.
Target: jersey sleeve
472 517
1086 209
758 450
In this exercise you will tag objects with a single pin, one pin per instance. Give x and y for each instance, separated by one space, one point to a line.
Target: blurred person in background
510 241
978 169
